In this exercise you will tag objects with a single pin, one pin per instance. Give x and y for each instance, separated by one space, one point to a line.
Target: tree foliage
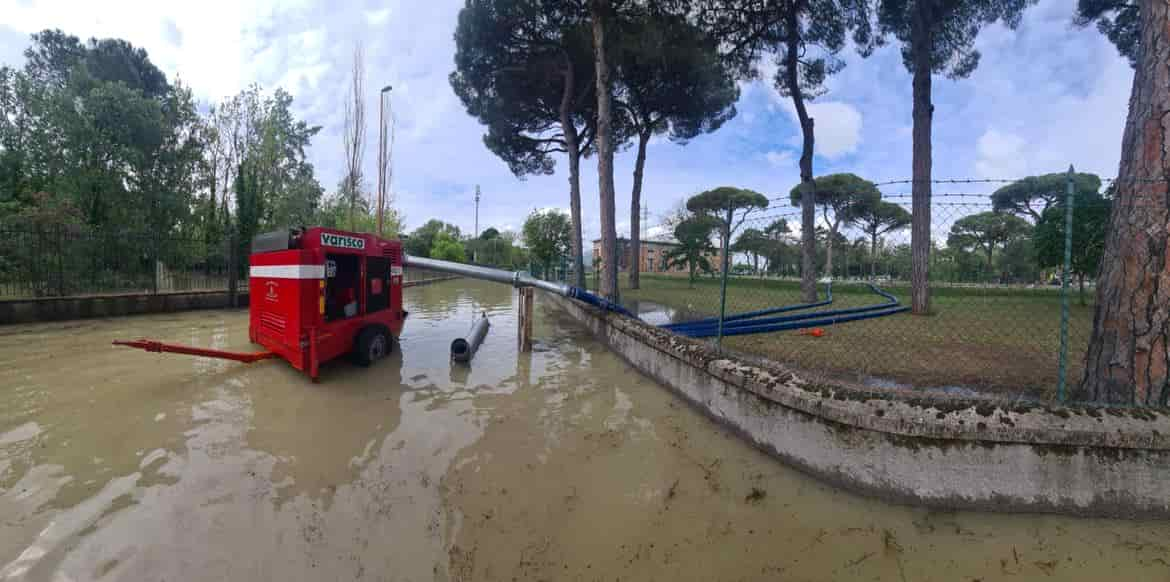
670 81
96 123
876 217
805 36
718 202
1090 225
524 69
1119 20
422 239
101 130
836 195
987 232
547 234
513 61
694 244
1033 195
447 248
949 32
755 244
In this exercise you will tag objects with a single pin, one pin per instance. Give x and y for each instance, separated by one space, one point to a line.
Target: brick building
653 256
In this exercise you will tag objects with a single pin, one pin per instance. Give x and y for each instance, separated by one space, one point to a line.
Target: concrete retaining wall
57 309
902 446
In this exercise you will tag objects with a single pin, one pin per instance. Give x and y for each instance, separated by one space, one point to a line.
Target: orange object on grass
815 332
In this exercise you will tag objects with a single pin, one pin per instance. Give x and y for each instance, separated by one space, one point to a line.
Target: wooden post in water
525 332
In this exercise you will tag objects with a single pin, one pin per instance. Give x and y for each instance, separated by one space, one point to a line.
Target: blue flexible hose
750 314
706 328
790 325
745 323
599 302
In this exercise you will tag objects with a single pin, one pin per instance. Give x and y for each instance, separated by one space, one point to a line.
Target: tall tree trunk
808 219
598 10
636 210
1128 360
573 149
922 44
1081 285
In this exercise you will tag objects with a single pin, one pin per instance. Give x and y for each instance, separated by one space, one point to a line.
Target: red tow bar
159 347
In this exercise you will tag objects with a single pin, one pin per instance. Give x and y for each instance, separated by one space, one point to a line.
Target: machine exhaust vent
273 322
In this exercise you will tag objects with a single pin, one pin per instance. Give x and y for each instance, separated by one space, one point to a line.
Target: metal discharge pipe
463 349
515 279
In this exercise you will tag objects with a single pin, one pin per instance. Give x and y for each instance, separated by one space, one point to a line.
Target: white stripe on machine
289 271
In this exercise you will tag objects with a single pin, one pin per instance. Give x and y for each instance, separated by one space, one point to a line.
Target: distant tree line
94 136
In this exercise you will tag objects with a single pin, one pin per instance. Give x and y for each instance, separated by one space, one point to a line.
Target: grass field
992 339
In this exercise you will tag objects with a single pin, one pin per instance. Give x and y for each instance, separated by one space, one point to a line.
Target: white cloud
377 17
1000 155
780 159
216 38
837 127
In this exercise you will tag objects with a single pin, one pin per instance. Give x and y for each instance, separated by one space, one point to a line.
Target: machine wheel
373 344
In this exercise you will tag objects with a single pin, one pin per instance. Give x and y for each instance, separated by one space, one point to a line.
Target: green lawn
1003 340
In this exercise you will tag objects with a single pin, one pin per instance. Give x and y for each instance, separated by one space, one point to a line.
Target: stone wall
906 447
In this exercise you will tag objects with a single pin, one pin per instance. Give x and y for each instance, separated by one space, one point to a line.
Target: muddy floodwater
560 464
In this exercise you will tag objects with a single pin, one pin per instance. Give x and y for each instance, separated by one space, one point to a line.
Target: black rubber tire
373 344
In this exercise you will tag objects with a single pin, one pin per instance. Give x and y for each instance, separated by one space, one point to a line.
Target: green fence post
723 279
1062 370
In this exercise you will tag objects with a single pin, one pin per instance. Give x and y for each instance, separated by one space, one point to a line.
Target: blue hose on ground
713 328
707 328
749 314
790 325
599 302
742 323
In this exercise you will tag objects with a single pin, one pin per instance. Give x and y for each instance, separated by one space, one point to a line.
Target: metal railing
77 261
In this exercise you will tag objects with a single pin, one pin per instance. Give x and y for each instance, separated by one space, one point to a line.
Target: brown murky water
562 464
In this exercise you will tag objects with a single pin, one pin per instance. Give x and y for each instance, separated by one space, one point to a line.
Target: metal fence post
723 279
233 277
60 261
1062 370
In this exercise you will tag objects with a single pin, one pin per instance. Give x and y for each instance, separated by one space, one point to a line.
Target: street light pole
475 234
382 154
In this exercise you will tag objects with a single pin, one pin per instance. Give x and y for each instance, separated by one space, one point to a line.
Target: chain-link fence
998 294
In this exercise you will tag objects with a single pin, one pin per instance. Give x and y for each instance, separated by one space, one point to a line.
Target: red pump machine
315 295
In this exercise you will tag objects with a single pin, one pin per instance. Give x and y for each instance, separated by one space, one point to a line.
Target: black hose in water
463 349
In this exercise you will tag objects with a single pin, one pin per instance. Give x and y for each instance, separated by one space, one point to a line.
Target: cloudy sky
1045 96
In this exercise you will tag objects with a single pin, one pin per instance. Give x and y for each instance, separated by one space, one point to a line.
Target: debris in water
757 495
859 560
891 542
1049 568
